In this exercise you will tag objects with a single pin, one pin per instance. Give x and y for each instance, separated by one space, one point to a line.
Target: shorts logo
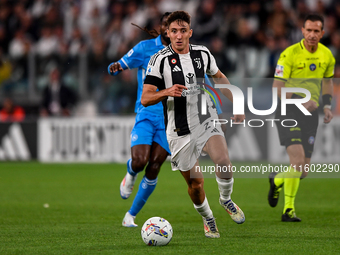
173 61
279 71
134 137
312 67
130 53
174 163
311 140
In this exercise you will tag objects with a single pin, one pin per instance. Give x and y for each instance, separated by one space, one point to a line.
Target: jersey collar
301 44
304 48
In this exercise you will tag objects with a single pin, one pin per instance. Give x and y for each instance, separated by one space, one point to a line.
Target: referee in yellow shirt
307 64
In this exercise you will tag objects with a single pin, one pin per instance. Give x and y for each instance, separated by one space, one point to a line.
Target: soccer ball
156 231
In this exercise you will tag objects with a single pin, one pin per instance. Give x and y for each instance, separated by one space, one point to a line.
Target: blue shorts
149 128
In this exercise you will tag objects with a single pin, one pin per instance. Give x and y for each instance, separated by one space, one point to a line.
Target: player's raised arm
151 96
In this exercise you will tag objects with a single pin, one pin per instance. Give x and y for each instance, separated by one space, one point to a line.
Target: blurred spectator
207 22
11 112
19 46
48 43
58 100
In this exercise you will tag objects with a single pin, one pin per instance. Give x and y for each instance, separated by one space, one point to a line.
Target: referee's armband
327 100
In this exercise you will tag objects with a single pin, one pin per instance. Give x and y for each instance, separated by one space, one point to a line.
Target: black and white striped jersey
166 68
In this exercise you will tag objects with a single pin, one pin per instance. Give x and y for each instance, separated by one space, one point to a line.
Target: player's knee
222 160
196 186
139 162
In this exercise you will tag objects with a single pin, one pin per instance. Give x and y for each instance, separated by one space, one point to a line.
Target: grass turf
85 213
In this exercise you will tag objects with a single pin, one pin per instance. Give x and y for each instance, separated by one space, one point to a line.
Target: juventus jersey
166 68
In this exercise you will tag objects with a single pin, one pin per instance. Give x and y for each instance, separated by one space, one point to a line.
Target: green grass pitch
85 213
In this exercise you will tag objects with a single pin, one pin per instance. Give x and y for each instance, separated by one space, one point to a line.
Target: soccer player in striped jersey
149 146
306 64
173 77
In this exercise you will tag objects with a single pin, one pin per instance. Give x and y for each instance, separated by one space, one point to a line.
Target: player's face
312 32
179 33
164 29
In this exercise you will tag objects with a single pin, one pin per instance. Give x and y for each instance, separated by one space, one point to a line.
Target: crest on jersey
190 78
311 140
198 62
312 67
279 71
173 61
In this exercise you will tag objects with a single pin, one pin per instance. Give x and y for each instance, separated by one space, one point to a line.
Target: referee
309 65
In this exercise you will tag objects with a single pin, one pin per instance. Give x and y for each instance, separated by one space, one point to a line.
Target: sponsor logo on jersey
190 78
176 68
279 71
312 67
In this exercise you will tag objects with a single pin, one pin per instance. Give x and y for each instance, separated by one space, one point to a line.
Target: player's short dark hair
165 15
180 16
314 17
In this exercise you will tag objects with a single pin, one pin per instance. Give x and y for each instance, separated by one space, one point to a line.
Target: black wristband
327 99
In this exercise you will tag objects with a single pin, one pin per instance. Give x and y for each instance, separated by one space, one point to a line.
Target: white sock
204 209
225 187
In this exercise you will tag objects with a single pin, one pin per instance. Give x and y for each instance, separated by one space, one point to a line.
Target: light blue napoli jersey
138 57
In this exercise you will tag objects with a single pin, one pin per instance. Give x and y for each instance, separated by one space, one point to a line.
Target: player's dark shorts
303 133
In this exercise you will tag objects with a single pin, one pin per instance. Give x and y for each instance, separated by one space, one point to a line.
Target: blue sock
146 187
129 168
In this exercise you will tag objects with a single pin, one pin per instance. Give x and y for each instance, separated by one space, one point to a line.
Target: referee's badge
311 140
279 71
312 67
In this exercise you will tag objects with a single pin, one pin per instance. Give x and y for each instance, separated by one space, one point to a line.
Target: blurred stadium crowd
81 37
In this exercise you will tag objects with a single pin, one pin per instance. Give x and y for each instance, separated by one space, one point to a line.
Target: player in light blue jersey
149 146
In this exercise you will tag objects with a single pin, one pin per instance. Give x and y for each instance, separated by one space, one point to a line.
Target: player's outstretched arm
151 96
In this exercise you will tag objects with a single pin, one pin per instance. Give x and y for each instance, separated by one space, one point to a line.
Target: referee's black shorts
303 133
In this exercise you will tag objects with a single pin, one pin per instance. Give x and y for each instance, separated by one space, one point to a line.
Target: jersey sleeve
330 68
284 66
134 58
212 66
153 72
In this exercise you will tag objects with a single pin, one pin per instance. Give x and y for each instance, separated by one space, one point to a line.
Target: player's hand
176 90
328 115
311 106
115 67
238 118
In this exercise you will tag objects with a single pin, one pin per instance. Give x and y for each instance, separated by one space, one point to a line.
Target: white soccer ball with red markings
156 231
